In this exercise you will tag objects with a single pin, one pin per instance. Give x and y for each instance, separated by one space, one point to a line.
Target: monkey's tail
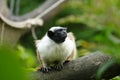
33 33
36 41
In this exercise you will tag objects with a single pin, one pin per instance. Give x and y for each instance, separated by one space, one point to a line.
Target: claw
59 67
45 69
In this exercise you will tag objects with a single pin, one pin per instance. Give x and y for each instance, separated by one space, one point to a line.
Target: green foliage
116 78
101 30
10 66
103 68
26 5
101 19
26 56
95 23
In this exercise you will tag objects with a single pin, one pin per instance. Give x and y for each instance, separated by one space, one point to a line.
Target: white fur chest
50 51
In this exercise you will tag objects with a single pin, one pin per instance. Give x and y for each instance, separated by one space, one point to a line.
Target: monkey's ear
50 34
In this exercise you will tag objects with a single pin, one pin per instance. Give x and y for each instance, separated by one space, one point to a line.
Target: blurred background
95 24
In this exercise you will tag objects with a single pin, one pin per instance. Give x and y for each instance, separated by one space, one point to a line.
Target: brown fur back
71 36
74 52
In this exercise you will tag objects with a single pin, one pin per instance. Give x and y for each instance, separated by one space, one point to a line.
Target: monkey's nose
64 35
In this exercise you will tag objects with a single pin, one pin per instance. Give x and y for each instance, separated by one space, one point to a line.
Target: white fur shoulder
47 48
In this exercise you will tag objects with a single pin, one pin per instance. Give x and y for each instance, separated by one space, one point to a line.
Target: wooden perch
16 25
84 68
52 7
22 24
41 9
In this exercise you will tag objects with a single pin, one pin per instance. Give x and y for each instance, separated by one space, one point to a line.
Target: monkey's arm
38 57
39 60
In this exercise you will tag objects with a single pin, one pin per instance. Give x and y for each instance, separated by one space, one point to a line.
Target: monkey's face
57 34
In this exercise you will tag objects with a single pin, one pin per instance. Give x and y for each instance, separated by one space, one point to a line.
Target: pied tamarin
56 47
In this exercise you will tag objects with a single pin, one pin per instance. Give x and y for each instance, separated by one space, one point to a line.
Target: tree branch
3 8
40 10
22 24
35 21
84 68
12 32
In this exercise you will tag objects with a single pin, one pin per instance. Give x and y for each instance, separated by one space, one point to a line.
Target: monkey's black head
57 34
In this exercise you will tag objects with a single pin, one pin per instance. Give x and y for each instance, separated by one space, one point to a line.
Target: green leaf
10 66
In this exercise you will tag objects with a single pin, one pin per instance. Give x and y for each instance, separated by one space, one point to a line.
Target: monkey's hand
45 69
59 66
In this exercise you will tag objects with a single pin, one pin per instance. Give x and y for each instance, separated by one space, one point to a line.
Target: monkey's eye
50 33
60 29
64 29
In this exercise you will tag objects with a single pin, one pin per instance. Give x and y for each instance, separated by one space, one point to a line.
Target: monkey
56 47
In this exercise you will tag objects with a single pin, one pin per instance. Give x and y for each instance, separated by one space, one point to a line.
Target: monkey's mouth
60 39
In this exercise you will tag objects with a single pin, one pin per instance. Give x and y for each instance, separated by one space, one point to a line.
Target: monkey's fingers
45 69
58 67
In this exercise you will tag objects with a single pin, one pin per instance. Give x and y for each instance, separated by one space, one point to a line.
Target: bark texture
84 68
